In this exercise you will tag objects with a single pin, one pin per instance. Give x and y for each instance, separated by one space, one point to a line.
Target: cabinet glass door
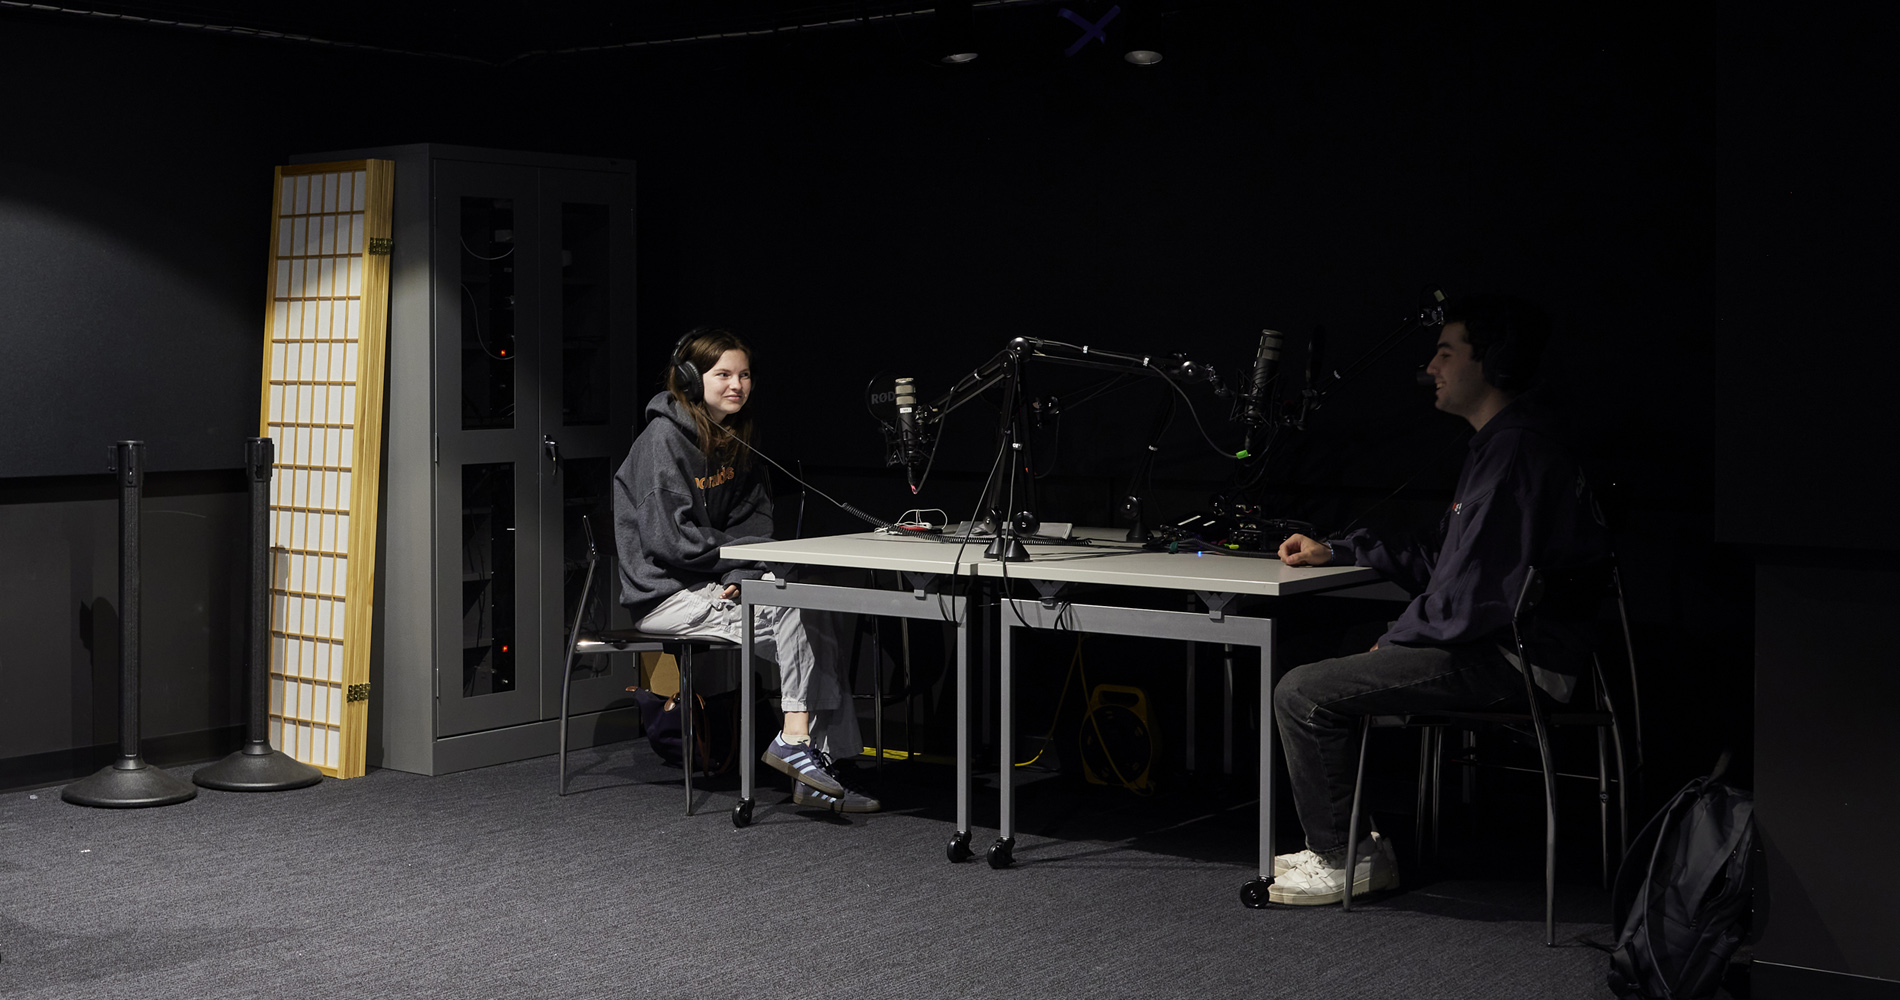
587 413
490 465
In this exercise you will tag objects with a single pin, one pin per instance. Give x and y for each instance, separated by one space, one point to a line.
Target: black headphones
687 375
1500 360
1504 319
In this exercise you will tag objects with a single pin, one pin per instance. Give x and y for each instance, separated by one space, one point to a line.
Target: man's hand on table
1299 550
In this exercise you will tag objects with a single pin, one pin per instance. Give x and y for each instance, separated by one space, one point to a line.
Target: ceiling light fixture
956 33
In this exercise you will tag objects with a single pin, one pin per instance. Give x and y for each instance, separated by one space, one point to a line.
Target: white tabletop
1105 563
864 550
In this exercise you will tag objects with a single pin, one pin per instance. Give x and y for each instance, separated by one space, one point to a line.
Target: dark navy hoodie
672 512
1521 501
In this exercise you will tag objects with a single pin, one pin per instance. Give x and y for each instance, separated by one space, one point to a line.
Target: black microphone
905 396
1266 368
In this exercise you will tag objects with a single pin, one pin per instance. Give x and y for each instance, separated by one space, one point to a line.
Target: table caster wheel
1002 852
1253 893
959 847
742 814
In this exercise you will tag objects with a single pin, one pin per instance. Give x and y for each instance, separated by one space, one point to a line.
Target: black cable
841 505
477 256
956 561
1218 450
475 314
929 463
1456 438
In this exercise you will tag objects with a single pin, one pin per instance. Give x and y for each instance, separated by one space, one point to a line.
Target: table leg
748 753
877 687
959 846
1189 672
1267 738
1227 710
1253 892
1002 851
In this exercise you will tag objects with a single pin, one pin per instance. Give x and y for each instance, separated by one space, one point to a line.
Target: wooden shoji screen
323 409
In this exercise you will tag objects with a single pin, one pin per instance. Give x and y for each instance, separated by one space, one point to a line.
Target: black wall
853 207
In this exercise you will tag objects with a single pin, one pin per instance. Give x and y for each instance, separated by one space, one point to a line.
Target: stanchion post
128 782
257 767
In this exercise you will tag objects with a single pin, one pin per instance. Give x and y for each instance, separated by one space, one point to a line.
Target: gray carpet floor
486 884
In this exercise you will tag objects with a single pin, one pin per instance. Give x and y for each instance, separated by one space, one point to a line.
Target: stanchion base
248 771
128 785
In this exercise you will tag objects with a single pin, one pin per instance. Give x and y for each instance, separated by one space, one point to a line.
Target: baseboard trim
1775 981
57 767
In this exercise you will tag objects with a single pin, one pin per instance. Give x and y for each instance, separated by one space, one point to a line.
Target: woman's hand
731 591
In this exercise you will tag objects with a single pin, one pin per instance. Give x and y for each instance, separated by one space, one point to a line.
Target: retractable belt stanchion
129 781
257 767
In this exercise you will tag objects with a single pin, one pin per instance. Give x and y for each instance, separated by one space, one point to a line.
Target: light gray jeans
804 644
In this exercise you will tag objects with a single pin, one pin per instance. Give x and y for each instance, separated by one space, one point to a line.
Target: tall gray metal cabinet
510 404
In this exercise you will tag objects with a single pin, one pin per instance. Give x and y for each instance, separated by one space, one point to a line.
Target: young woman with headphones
688 487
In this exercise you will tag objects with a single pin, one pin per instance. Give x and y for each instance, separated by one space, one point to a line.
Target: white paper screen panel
322 409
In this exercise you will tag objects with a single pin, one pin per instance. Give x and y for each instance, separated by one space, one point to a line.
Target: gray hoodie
672 513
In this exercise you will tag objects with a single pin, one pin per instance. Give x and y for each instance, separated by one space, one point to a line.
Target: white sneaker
1321 878
1283 863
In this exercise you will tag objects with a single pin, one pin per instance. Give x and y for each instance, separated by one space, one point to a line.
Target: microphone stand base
128 783
1007 548
248 770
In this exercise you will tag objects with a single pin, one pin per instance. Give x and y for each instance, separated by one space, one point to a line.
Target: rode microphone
905 396
1266 368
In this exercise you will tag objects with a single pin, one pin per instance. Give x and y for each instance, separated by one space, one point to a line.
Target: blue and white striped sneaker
804 762
849 802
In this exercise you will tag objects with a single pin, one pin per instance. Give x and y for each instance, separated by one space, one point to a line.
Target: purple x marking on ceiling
1089 31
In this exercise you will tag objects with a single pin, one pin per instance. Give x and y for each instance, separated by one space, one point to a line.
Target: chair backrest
1575 596
587 586
1569 595
593 551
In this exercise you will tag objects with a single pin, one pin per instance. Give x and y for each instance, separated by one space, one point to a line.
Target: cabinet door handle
553 450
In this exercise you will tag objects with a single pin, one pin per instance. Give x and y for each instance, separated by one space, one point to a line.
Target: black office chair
581 640
1574 596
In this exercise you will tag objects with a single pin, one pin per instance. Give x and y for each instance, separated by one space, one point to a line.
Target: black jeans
1318 708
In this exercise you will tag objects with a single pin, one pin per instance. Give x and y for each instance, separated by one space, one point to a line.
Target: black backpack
1684 894
715 729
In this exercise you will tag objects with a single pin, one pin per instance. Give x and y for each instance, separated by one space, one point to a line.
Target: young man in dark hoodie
1521 501
688 487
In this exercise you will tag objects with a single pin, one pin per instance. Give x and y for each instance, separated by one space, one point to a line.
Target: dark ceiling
494 31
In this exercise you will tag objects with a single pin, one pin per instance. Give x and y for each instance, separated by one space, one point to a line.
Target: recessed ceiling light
958 58
1142 57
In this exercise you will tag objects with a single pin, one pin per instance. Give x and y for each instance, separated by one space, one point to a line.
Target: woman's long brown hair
704 349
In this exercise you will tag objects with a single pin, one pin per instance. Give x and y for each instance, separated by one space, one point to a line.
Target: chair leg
1424 793
1603 802
1438 783
1550 830
685 660
1352 825
567 683
1622 790
1468 776
573 639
